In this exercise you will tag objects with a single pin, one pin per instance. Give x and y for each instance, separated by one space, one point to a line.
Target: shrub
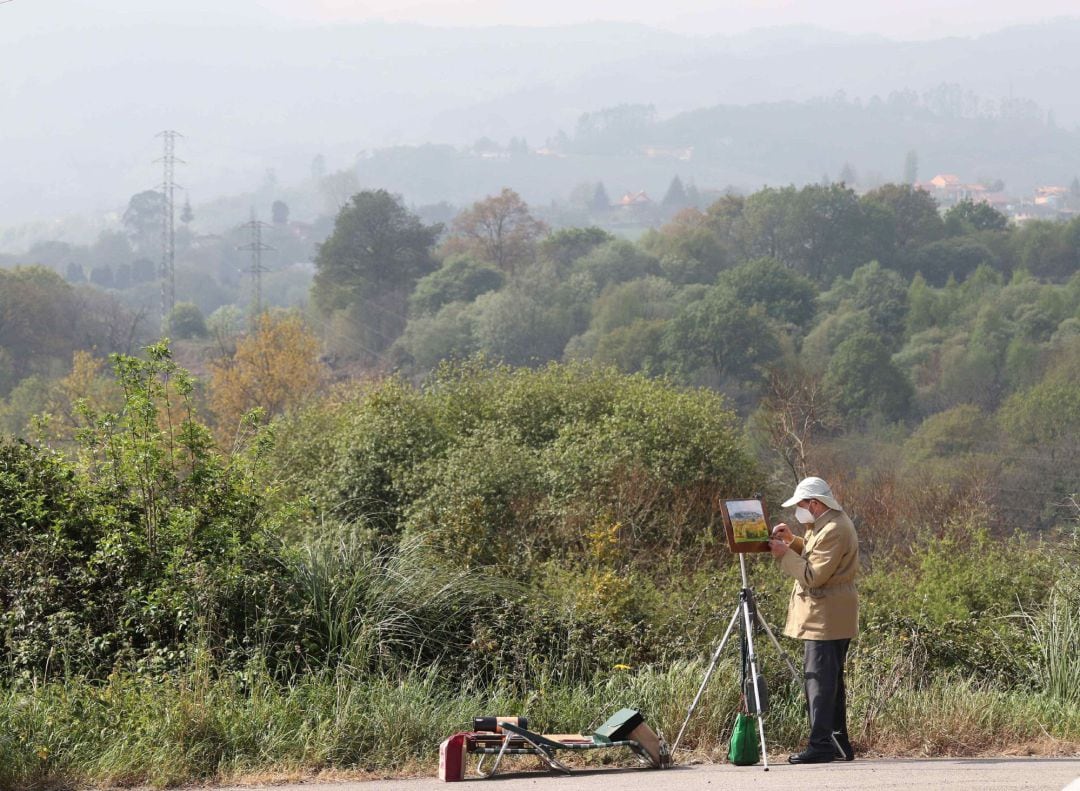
150 544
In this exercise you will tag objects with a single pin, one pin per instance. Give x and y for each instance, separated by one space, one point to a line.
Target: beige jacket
824 604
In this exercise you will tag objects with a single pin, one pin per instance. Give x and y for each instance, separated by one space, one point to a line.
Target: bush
186 321
151 544
518 460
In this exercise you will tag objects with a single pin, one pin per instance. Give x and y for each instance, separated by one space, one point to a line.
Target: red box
452 758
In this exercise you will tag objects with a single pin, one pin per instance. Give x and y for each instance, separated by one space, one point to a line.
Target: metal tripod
743 609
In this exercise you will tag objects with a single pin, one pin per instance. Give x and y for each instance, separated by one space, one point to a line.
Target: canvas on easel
746 523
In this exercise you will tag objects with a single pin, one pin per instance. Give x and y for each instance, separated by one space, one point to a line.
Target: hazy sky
906 19
910 18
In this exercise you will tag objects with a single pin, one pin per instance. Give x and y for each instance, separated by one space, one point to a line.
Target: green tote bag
744 743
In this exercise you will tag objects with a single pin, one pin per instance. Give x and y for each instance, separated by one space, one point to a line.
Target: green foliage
1055 630
913 216
719 336
622 304
636 347
958 602
967 216
499 462
150 544
517 327
428 340
952 258
616 261
880 293
952 434
377 245
823 232
567 245
785 295
186 321
525 534
1047 249
459 279
864 381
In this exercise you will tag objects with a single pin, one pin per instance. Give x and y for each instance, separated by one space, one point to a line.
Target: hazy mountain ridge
79 130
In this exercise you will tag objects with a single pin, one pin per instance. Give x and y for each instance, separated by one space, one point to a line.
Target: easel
744 607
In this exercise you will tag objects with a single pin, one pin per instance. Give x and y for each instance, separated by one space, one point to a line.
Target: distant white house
681 153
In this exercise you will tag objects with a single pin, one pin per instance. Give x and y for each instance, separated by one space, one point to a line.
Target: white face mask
804 516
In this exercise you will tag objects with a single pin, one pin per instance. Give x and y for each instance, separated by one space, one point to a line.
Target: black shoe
847 752
811 757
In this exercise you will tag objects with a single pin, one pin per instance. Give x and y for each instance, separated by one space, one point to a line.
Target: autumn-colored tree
274 368
499 230
88 386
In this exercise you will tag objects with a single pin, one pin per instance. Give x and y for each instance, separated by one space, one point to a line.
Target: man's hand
783 533
778 547
781 537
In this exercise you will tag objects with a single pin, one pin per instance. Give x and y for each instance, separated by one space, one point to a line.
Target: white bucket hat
813 489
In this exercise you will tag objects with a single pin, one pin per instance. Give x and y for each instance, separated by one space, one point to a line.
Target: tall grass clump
1054 630
365 609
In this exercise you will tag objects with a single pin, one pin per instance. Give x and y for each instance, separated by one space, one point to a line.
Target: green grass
163 732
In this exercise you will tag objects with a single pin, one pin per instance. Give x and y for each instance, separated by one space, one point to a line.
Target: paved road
972 774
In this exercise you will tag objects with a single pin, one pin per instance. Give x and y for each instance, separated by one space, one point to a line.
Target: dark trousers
823 669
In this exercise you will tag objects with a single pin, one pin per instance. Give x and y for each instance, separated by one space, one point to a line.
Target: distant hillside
80 110
746 147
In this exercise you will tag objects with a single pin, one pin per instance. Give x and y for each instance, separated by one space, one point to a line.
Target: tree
785 295
38 319
459 279
186 214
721 335
864 382
337 188
75 273
951 434
953 258
499 230
675 197
634 347
517 328
102 276
616 262
614 129
879 293
820 231
913 217
143 219
647 298
600 200
273 369
318 168
967 216
279 212
911 167
446 334
122 276
143 270
567 245
368 265
1047 249
186 321
693 247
